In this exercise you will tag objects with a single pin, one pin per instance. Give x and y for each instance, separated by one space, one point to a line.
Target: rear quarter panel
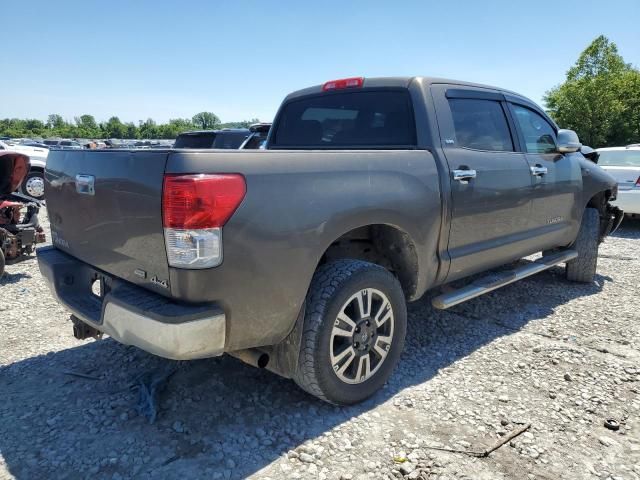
297 204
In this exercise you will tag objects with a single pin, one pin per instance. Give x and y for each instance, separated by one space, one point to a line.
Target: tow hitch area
82 331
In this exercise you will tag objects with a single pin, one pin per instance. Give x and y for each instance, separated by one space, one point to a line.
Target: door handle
538 170
464 176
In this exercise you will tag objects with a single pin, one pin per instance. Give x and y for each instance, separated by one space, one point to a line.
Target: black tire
2 263
333 285
583 268
23 188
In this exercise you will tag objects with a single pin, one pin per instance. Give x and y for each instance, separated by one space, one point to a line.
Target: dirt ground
561 357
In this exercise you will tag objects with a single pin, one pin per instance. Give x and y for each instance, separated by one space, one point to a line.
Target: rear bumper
628 200
132 315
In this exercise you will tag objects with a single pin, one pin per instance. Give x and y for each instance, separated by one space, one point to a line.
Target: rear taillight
194 210
352 82
638 182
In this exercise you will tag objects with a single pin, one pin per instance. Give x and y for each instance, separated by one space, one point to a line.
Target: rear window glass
229 139
347 120
622 158
200 140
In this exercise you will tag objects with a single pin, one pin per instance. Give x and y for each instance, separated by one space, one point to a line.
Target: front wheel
354 330
583 268
33 185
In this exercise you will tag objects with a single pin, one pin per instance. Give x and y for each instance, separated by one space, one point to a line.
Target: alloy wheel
361 336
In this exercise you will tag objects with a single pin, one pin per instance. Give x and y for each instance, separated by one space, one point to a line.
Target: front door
557 179
490 180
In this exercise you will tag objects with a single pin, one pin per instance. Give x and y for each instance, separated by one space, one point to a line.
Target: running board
489 284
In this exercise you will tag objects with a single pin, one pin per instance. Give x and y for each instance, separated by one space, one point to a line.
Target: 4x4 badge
161 283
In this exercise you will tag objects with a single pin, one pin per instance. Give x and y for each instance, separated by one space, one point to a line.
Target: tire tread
326 282
583 269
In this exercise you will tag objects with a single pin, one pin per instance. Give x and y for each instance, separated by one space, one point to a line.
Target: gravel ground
560 356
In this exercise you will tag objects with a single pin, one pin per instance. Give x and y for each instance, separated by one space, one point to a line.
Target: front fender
595 181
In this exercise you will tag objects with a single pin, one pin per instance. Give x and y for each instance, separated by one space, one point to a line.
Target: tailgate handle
85 184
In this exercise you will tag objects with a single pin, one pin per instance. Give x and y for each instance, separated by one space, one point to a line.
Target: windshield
620 158
363 119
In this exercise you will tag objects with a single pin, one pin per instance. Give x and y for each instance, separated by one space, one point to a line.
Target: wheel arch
381 243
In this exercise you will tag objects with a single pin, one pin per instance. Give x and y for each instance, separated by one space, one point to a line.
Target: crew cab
300 258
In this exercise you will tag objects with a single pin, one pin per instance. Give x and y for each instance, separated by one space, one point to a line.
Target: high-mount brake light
194 210
352 82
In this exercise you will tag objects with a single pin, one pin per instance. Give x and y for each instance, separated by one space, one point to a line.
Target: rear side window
480 124
539 136
365 119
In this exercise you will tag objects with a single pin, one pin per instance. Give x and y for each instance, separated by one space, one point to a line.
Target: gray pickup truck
300 258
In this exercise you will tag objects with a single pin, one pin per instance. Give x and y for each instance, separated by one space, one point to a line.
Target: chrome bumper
132 315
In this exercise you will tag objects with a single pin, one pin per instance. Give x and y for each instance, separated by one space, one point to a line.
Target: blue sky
161 59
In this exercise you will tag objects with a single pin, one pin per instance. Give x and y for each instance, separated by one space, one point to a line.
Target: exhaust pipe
82 331
252 356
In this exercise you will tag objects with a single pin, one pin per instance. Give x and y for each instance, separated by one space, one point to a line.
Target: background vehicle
34 143
228 138
33 185
20 229
370 193
257 138
623 163
63 144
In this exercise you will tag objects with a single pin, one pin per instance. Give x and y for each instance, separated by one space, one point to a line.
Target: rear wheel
33 185
354 331
583 268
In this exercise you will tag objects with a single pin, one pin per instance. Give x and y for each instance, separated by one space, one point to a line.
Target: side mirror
589 153
568 141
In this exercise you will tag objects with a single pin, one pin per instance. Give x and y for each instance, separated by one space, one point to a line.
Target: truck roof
403 82
216 131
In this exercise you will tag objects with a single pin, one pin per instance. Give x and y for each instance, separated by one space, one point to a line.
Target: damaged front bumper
612 220
132 315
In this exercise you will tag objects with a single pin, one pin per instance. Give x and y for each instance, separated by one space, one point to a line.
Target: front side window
480 125
539 136
361 119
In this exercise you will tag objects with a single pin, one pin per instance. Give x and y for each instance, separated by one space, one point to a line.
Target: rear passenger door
556 177
490 181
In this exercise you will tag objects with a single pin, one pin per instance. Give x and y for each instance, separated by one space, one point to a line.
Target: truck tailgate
105 209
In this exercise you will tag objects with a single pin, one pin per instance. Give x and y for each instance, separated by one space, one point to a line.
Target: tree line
599 99
86 126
